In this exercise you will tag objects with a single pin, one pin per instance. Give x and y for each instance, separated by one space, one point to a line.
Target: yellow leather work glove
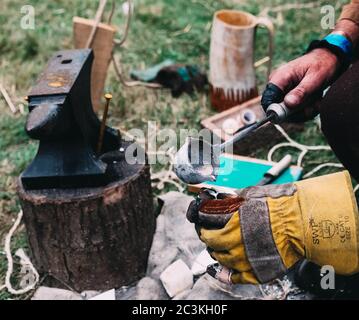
264 231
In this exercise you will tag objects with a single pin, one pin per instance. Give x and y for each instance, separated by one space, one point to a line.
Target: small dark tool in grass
197 161
179 78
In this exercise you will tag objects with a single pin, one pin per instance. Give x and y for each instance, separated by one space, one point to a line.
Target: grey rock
175 237
86 295
150 289
162 254
46 293
161 261
183 295
179 232
207 288
126 293
108 295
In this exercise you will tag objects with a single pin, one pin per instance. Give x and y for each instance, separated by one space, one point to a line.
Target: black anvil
62 118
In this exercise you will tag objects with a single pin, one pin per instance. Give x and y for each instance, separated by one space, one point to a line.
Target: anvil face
62 118
62 72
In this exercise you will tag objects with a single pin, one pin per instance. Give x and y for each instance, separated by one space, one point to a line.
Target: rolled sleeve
351 12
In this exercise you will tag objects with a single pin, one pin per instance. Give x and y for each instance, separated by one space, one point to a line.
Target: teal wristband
341 42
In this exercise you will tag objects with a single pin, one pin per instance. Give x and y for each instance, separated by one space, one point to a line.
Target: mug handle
268 24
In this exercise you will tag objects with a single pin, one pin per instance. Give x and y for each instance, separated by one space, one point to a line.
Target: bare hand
302 78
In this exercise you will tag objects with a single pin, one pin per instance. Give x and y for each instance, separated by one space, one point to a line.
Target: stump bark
93 238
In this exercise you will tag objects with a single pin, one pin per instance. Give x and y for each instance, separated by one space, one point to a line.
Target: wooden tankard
232 71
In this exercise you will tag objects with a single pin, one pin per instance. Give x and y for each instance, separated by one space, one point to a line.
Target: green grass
153 37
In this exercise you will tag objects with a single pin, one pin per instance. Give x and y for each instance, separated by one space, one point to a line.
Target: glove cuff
318 221
330 219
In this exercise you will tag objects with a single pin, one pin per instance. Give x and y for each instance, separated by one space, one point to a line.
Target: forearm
348 23
351 12
349 29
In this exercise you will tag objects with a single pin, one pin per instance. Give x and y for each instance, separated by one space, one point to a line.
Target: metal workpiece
198 161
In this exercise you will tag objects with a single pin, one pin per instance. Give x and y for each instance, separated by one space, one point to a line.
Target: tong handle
279 112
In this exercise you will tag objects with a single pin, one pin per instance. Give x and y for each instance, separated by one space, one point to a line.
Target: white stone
46 293
108 295
87 295
201 263
183 295
177 278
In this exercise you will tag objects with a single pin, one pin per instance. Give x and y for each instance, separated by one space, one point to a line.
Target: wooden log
92 239
102 46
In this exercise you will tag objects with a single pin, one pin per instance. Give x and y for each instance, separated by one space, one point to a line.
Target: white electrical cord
304 150
292 143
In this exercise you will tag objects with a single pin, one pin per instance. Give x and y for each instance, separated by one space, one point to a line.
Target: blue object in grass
151 73
238 174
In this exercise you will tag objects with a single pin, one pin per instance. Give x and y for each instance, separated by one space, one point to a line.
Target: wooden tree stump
94 238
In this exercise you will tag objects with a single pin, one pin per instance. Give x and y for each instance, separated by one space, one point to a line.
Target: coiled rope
304 149
24 261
